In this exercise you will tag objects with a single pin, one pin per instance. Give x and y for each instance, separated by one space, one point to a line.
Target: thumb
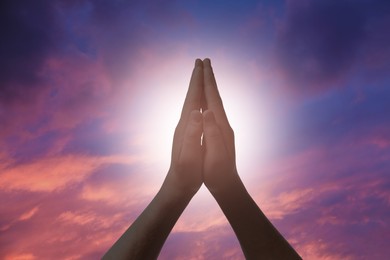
213 137
191 143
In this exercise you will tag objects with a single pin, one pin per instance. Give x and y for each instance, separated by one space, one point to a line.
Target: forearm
257 236
146 236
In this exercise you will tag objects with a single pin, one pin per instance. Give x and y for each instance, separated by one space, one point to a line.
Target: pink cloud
83 90
54 173
317 250
29 214
23 217
120 192
319 197
62 222
287 203
87 218
20 257
213 243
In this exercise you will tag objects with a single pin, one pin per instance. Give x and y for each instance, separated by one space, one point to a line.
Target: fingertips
207 62
198 63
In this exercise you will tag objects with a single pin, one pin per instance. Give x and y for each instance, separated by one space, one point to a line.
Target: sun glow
162 101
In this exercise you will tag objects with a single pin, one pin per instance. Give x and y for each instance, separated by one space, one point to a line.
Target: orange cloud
287 203
193 218
54 173
86 218
20 257
23 217
319 250
29 214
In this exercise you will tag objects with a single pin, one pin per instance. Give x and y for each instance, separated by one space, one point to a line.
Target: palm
219 156
185 172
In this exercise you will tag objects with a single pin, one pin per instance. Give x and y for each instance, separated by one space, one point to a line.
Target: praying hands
196 160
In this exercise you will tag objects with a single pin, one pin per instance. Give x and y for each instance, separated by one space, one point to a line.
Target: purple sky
90 92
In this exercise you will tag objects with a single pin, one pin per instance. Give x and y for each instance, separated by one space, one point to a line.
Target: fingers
194 93
191 146
203 93
191 102
212 97
214 140
214 103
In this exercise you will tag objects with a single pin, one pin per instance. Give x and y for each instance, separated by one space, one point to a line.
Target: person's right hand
219 166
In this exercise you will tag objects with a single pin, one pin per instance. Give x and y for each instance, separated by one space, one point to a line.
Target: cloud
29 214
87 218
69 84
113 185
20 257
213 243
46 74
287 203
326 201
23 217
319 43
51 174
319 250
30 32
86 228
81 232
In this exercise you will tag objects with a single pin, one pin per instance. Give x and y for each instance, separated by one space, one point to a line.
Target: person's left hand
185 173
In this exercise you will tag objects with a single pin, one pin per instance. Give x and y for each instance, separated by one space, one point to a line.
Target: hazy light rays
158 105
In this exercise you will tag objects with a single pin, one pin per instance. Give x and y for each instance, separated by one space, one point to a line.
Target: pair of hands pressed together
212 162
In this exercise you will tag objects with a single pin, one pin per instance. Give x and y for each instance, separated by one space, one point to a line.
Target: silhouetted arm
257 236
259 239
146 236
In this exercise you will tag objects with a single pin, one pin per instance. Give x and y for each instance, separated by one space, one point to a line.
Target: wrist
175 190
230 186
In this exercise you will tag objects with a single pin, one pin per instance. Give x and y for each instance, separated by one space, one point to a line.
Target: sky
91 91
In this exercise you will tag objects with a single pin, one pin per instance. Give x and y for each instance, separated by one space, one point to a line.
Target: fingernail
207 62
